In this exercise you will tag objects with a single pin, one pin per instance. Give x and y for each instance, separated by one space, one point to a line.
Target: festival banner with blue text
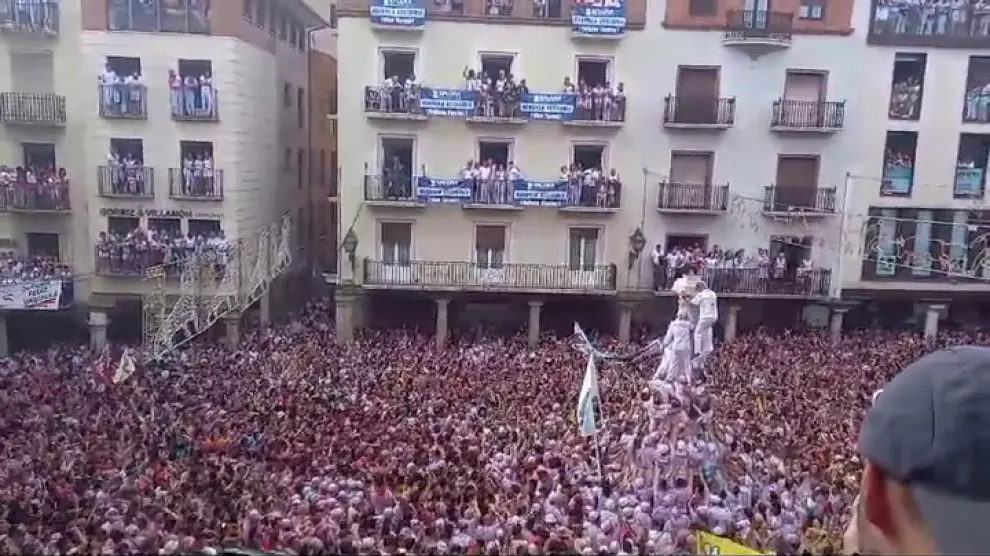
398 13
969 183
446 102
43 295
539 193
599 17
558 107
432 190
897 180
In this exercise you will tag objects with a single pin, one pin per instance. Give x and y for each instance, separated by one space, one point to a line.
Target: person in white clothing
707 303
676 348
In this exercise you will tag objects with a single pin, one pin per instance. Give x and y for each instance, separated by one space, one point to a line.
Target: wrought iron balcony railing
693 197
759 24
401 188
437 275
195 184
37 197
702 111
45 109
124 101
800 282
36 17
799 199
194 104
805 114
118 180
122 260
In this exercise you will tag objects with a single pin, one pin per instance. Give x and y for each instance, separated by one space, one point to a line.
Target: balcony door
697 95
797 182
803 93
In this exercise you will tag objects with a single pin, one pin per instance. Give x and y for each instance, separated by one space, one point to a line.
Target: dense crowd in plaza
389 445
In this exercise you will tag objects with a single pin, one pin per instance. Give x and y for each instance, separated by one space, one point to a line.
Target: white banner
42 295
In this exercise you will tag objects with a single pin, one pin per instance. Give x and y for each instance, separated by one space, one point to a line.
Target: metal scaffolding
212 284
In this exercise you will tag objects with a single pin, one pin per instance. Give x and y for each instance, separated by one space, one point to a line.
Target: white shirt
678 335
707 302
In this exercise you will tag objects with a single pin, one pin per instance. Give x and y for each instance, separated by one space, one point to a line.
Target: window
175 16
898 163
261 13
971 166
796 185
701 8
489 246
205 228
122 225
124 66
495 64
293 35
287 94
593 71
300 167
287 159
283 26
396 243
812 9
273 19
582 249
398 64
587 156
907 86
39 155
499 152
247 9
323 167
127 150
301 107
691 168
976 107
42 244
397 156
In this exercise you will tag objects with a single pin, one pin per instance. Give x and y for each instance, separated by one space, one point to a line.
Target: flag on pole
102 366
584 345
125 368
587 399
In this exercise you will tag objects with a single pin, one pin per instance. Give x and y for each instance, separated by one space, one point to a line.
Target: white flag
125 368
584 344
587 399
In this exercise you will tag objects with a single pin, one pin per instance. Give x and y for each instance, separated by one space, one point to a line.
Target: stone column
232 327
345 317
931 319
835 323
265 305
98 321
443 306
4 345
625 321
732 323
534 322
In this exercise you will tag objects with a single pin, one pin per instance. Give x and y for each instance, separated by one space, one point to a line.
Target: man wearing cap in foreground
926 444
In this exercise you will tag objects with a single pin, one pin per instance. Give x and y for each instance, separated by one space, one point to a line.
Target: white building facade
729 138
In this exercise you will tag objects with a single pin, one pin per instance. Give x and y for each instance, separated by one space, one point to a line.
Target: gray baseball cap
930 430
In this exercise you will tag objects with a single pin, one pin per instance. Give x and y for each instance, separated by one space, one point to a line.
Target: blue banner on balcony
559 107
431 190
446 102
969 183
398 13
599 17
539 193
897 180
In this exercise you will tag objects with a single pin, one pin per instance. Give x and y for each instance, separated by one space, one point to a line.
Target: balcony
596 22
36 197
758 32
399 191
799 283
613 116
194 104
693 198
126 101
121 260
807 116
509 278
699 113
381 104
33 109
787 201
126 182
936 27
31 19
194 184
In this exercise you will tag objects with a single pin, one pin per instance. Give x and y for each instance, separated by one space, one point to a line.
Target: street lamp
637 241
350 246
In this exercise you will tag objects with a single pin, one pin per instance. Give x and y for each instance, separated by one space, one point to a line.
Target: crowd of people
394 95
127 174
736 270
16 268
389 445
960 18
599 101
133 252
192 96
122 94
34 187
199 177
905 98
498 93
30 16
